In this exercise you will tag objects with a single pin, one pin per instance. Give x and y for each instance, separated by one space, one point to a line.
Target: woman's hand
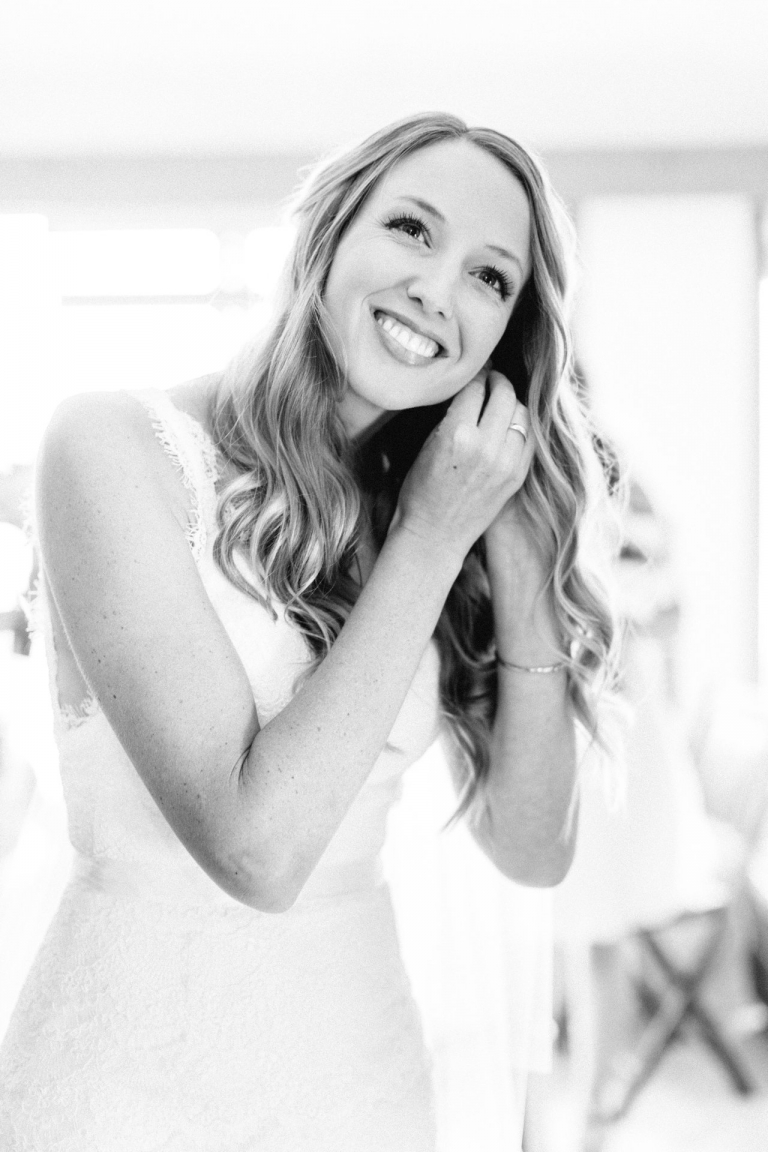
469 468
512 548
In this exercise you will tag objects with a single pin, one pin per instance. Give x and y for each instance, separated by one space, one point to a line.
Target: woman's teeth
409 339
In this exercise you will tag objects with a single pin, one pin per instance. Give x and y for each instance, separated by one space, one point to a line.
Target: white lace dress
159 1012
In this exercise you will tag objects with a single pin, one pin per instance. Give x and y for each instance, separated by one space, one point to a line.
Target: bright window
266 250
137 262
102 310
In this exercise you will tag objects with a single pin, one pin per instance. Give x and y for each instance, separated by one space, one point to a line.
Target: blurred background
146 153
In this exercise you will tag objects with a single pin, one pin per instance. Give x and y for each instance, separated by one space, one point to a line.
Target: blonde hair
294 510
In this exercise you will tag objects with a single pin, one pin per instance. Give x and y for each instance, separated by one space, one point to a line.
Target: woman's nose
434 289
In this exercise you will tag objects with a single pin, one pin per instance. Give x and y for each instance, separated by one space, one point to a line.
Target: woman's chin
361 417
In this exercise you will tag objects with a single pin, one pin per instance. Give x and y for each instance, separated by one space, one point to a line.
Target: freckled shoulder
104 441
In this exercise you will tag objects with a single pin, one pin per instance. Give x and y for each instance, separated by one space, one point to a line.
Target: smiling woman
264 595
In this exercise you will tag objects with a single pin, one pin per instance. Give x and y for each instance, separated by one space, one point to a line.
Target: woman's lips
409 346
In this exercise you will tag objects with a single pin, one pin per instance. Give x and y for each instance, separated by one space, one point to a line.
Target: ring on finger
519 428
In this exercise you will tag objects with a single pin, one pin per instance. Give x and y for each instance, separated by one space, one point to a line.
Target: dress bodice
162 1015
119 833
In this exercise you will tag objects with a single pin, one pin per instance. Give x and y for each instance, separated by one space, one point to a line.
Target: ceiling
243 76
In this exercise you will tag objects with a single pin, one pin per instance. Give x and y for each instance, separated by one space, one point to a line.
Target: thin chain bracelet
538 668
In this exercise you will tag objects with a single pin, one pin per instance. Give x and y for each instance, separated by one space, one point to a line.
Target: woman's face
425 278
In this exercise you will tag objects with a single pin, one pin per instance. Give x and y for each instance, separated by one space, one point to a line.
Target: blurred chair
677 957
675 998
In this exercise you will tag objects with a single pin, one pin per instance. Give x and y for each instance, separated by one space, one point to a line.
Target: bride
264 594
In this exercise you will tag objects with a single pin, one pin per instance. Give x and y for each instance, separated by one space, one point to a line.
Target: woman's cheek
483 337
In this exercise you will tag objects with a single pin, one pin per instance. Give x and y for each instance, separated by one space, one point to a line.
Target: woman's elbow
545 874
262 895
544 869
263 885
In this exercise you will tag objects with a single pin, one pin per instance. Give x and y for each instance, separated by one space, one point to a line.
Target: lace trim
37 611
194 479
209 453
40 627
74 716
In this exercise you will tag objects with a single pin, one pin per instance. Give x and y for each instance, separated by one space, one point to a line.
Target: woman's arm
528 827
255 806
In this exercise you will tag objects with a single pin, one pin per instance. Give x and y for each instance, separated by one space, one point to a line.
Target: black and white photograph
384 576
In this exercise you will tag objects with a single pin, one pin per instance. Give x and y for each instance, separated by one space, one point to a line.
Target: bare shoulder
93 428
101 447
106 490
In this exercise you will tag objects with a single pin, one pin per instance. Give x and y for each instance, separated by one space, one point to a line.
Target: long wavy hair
291 519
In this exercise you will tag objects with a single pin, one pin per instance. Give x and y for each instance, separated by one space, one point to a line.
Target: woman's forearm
306 765
528 826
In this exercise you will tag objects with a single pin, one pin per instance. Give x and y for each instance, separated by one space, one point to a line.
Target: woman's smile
405 342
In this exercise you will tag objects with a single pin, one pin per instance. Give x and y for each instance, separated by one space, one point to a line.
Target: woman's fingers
507 423
467 404
471 465
499 419
499 410
518 443
518 430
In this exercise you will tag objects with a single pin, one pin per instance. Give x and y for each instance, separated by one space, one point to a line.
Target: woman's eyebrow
426 206
430 208
509 255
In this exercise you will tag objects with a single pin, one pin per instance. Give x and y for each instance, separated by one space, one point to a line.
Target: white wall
244 75
667 328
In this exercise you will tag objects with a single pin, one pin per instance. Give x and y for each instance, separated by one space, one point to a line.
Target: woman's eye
496 279
409 225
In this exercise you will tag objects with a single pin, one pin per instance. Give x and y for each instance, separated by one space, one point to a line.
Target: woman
251 646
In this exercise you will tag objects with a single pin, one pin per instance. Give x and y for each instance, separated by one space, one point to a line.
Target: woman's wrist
513 557
531 637
525 622
427 551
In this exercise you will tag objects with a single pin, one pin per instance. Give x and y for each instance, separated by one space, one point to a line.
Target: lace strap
193 453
